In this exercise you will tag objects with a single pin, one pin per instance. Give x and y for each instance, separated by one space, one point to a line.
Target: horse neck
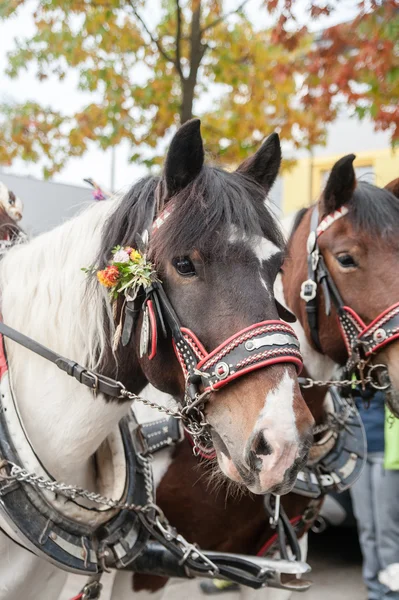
44 296
287 290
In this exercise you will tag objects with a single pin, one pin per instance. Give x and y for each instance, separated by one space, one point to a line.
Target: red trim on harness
196 346
266 363
364 329
223 345
154 334
387 341
267 545
358 320
379 318
3 359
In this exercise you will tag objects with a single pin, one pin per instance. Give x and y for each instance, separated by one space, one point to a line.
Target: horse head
217 251
11 204
355 248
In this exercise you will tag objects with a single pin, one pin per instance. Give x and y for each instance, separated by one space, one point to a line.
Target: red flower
109 276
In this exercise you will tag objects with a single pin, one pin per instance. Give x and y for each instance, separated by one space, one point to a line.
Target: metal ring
375 383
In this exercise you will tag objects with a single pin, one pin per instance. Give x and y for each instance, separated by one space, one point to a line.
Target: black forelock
208 210
375 211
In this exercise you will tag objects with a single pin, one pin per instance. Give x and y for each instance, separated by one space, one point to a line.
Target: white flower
121 257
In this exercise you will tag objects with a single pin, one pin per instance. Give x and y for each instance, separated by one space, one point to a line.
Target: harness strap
94 381
318 274
309 287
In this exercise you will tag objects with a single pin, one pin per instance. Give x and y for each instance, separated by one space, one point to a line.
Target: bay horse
357 250
217 251
362 239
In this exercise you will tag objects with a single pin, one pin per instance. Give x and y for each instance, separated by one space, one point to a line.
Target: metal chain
133 397
336 382
71 492
159 521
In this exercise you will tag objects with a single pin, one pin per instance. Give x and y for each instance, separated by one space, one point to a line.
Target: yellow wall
302 184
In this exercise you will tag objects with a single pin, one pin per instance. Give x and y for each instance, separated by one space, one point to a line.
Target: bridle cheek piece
361 340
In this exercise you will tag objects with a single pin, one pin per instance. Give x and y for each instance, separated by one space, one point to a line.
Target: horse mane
44 291
375 211
132 215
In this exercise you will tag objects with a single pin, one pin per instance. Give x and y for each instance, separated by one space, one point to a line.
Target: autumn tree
357 63
202 57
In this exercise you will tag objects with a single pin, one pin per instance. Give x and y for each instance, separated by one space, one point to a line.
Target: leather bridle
362 341
255 347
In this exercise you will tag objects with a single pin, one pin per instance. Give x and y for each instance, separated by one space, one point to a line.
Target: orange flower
135 256
109 276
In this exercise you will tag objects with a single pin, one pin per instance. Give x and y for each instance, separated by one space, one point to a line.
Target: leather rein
362 341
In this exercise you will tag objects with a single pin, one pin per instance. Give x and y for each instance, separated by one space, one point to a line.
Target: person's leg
361 493
385 485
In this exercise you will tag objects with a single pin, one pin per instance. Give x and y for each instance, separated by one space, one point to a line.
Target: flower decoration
127 271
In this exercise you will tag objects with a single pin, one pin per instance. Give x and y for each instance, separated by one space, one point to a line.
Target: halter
361 340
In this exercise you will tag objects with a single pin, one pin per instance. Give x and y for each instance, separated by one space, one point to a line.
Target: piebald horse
217 255
365 241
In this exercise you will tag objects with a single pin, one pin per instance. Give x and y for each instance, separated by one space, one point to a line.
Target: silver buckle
308 290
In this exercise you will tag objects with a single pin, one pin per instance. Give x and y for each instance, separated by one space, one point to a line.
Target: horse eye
346 261
184 266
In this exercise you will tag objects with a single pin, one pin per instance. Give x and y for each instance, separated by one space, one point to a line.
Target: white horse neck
43 293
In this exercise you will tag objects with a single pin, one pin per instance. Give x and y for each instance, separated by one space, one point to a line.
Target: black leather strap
160 434
96 382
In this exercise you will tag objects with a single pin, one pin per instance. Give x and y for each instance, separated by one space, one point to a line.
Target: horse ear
393 187
185 157
264 165
340 185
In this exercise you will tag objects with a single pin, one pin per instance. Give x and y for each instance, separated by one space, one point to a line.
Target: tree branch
153 39
224 17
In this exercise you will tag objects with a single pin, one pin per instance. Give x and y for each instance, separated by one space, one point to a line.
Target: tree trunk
197 51
186 110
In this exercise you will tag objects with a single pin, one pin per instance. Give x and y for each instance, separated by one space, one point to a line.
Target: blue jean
375 501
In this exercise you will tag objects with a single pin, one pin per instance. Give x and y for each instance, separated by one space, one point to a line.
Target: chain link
71 492
336 382
133 397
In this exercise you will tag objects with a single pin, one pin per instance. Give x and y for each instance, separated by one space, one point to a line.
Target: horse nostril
254 462
260 445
